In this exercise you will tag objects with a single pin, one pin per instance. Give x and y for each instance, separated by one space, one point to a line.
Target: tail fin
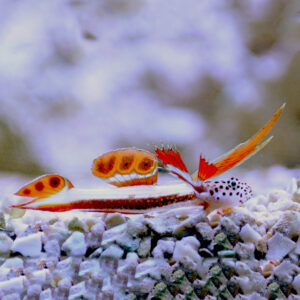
43 187
243 151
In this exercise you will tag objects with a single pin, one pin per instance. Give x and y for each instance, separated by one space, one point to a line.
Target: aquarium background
79 78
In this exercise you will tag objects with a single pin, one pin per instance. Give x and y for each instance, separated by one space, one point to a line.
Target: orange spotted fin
243 151
126 167
44 186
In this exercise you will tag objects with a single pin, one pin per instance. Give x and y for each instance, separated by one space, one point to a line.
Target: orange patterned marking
44 186
131 162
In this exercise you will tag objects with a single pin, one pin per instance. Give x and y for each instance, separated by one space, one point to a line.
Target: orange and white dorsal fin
243 151
126 167
174 164
44 186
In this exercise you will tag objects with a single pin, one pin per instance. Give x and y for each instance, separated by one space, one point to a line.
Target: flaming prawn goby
134 172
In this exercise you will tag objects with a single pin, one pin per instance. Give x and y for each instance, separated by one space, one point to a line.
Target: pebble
186 252
249 235
52 247
77 291
13 263
296 283
89 267
46 295
144 247
163 246
75 245
152 267
279 246
14 285
113 220
77 225
30 245
113 251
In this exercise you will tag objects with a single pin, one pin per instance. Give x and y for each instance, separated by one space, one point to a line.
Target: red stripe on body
116 205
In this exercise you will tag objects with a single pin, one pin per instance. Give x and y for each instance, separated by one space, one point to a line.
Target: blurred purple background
79 78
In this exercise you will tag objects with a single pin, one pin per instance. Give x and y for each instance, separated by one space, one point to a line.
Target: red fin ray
206 170
174 164
171 157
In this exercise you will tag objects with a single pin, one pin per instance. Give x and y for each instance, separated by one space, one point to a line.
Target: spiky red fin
206 170
171 157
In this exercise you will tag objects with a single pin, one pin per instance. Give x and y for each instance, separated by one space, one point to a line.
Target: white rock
65 268
242 268
136 227
163 246
286 270
75 245
249 235
229 225
253 282
132 259
52 248
296 283
13 263
186 252
245 250
98 229
40 277
12 285
77 291
129 263
14 296
46 295
5 243
279 246
111 235
89 267
65 283
297 249
153 268
254 296
34 290
4 274
113 251
30 245
143 286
